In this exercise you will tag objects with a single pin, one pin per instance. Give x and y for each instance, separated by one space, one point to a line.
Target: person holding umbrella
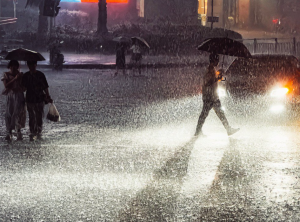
121 46
15 115
210 97
37 94
137 44
36 87
136 57
120 58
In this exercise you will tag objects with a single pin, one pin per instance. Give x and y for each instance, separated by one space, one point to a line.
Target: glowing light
275 21
95 1
221 92
279 92
277 108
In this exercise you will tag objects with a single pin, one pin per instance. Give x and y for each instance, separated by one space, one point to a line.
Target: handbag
53 114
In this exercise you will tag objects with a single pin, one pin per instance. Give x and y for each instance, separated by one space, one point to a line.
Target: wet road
124 151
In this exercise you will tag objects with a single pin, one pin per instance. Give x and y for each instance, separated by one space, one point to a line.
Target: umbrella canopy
225 46
122 39
141 40
24 55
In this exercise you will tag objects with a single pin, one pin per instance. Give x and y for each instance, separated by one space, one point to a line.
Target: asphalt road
124 151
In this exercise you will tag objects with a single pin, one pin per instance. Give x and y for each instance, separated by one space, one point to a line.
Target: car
269 83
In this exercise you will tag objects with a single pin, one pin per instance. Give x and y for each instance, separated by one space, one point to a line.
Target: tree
102 17
43 20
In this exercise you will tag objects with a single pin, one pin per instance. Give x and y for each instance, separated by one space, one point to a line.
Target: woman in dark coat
120 58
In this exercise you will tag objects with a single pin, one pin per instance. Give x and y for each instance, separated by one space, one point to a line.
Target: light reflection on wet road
124 158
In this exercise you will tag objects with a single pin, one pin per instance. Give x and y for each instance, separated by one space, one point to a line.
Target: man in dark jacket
36 95
210 97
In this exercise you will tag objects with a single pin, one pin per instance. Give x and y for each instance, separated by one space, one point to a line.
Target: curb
113 66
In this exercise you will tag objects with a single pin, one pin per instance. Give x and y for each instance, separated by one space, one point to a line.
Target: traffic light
51 8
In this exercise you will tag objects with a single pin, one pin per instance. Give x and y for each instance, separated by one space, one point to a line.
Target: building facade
245 14
173 10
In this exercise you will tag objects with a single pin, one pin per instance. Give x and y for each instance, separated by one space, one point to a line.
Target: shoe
8 138
19 136
232 131
32 138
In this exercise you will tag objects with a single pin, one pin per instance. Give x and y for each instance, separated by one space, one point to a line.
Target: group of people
136 56
35 85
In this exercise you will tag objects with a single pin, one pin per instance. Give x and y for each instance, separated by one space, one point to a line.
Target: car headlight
221 92
277 108
280 92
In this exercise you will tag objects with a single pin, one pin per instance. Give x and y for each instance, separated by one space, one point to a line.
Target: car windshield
264 66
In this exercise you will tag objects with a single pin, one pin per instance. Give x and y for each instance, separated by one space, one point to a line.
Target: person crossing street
37 94
211 99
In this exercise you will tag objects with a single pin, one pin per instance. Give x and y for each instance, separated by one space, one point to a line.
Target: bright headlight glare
277 108
279 92
221 92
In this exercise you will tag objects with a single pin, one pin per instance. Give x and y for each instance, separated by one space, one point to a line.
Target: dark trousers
207 106
36 114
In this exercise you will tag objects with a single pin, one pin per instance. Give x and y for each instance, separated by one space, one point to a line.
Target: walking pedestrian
136 57
15 114
211 99
37 94
120 58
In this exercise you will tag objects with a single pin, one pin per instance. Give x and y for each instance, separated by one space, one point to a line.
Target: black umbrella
24 55
141 40
225 46
122 39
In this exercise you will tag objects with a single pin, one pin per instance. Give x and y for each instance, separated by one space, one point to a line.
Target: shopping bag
53 114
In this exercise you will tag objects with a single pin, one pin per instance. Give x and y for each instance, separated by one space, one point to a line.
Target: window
202 7
140 7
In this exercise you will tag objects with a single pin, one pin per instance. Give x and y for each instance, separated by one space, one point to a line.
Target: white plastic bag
53 114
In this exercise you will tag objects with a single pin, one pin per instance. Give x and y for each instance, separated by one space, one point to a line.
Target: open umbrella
141 40
24 55
225 46
122 39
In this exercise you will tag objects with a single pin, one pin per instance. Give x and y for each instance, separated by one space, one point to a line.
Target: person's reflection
231 169
177 166
156 201
231 192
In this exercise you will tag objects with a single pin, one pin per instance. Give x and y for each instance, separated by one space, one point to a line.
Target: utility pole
43 21
50 25
15 8
212 14
102 17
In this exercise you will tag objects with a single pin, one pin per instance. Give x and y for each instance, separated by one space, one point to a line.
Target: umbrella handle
223 61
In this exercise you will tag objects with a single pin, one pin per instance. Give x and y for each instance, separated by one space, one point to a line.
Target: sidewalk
100 61
262 34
